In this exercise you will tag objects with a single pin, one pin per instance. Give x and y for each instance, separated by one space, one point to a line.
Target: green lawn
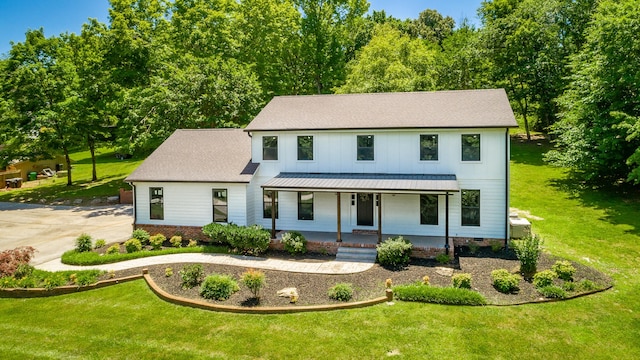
597 228
111 173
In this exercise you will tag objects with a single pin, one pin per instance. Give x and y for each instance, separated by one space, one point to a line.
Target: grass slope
128 321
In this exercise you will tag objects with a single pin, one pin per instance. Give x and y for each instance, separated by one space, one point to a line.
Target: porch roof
349 182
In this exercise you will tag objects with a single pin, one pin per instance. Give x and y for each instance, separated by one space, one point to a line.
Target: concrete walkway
324 267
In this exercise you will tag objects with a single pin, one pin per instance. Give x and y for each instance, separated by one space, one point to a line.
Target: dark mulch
370 284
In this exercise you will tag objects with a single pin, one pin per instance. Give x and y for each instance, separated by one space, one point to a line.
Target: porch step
355 254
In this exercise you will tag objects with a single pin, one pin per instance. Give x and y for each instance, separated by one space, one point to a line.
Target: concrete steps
355 254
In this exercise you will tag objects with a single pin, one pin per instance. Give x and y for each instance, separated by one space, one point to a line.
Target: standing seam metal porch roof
396 183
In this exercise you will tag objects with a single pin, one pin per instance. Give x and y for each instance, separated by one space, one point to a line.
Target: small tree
254 280
528 251
84 243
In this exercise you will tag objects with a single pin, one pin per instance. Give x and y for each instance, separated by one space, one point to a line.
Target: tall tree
432 26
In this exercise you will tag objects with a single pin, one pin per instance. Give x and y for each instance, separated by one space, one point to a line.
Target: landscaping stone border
62 290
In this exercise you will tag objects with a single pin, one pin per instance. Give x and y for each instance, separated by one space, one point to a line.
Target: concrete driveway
52 230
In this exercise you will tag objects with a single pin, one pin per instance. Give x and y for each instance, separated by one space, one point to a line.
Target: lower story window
470 207
266 203
305 205
156 203
220 206
429 209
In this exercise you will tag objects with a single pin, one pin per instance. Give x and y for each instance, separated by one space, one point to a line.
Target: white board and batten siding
191 204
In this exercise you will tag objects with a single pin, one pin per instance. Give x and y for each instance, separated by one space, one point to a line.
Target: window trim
312 147
153 196
214 206
437 147
462 146
301 204
464 207
264 148
372 147
436 206
268 203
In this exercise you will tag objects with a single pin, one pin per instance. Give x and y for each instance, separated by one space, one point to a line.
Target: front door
365 209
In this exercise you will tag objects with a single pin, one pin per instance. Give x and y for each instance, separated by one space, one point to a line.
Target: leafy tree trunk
68 160
92 149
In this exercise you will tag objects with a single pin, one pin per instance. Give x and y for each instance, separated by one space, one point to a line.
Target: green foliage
394 252
528 251
249 240
586 285
218 233
218 287
176 241
141 234
254 280
461 281
553 292
133 245
100 243
112 250
341 292
473 247
23 271
504 281
544 278
192 243
569 286
438 295
91 258
191 275
294 242
442 258
496 245
84 243
168 272
156 241
564 270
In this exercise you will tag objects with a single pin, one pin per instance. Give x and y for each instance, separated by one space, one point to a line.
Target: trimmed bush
553 292
218 287
442 258
100 243
156 241
564 270
176 241
528 251
191 276
341 292
496 245
217 232
544 278
294 242
461 281
84 243
254 280
140 234
504 281
394 252
192 243
438 295
249 240
113 249
133 245
168 272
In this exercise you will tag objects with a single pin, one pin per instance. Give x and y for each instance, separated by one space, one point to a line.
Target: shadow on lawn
529 152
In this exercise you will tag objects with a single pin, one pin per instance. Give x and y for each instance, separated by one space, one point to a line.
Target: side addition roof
206 155
440 109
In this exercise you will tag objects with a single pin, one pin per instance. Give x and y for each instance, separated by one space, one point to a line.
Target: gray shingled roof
208 155
364 182
440 109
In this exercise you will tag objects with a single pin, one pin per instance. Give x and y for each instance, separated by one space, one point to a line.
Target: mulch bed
313 288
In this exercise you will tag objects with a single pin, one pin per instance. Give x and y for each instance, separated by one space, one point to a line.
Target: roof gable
439 109
205 155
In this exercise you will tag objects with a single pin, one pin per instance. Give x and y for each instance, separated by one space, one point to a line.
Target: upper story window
156 203
429 209
269 148
470 207
365 147
471 147
305 147
220 206
429 147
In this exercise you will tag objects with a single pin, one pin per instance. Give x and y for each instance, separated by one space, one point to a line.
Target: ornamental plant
544 278
341 292
218 287
140 234
564 269
191 275
504 281
156 241
394 252
294 242
528 251
254 280
84 243
133 245
176 241
461 281
100 243
113 249
11 259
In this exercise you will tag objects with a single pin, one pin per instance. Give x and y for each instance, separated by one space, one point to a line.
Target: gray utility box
520 228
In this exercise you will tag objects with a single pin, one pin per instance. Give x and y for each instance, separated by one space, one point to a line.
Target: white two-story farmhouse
427 165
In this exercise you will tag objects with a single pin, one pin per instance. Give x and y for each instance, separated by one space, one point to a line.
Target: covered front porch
368 240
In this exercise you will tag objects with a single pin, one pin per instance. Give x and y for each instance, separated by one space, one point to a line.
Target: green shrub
394 252
218 287
473 248
192 243
341 292
528 251
249 240
552 292
442 258
133 245
586 285
84 243
461 281
27 282
72 257
569 286
218 233
140 234
254 280
496 245
191 275
100 243
544 278
84 278
23 271
564 270
438 295
168 272
176 241
156 241
504 281
53 280
113 249
294 242
8 282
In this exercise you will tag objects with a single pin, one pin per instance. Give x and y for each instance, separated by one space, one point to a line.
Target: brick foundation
464 241
187 232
